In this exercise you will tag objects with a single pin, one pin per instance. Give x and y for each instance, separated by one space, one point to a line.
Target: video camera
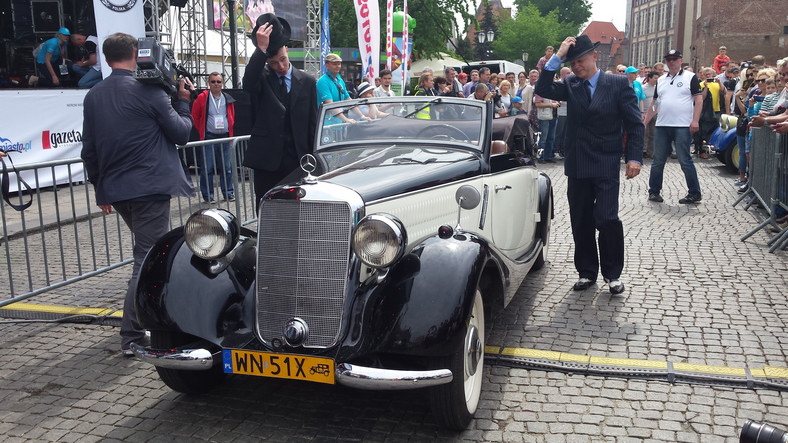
156 66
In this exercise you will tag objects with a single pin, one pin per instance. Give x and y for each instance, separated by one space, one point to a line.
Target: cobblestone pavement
695 294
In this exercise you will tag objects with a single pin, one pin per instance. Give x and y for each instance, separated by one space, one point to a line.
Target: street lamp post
485 40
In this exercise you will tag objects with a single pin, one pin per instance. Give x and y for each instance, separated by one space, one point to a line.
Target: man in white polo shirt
680 103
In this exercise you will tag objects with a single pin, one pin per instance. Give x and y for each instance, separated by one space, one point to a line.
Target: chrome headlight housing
211 233
379 240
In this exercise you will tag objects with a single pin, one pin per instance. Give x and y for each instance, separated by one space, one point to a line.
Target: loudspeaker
46 16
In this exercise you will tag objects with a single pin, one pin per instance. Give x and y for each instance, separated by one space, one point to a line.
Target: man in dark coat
129 133
284 105
600 109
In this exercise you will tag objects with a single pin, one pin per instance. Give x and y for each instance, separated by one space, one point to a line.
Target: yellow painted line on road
65 310
629 362
706 369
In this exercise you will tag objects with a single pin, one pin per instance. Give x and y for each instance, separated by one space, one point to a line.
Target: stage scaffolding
185 30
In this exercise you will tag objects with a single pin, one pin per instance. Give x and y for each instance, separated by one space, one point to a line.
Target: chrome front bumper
186 359
361 377
354 376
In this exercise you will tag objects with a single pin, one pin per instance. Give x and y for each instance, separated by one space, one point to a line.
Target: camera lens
754 432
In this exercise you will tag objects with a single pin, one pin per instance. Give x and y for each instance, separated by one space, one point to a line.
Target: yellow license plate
265 364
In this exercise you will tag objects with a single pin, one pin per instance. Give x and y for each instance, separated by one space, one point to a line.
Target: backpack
37 50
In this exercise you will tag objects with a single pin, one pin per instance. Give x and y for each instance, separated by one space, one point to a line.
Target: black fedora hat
280 33
582 46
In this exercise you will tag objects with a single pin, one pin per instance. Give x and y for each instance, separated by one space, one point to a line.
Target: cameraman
129 134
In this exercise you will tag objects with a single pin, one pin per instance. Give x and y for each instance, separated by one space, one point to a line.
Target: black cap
280 33
582 46
674 53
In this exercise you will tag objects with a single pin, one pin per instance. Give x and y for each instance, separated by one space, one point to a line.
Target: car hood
393 170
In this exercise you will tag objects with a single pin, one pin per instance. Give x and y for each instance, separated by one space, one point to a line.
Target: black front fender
425 314
177 292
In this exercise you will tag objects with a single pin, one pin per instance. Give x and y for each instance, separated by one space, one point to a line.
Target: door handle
501 188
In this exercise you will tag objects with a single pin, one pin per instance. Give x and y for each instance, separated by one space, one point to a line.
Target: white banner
117 16
39 126
389 34
368 17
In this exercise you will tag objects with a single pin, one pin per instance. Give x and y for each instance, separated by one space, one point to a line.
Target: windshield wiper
426 105
413 160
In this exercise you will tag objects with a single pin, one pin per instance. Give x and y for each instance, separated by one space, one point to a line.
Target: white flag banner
405 48
117 16
368 18
389 34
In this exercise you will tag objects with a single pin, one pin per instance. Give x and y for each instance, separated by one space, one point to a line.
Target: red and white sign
368 17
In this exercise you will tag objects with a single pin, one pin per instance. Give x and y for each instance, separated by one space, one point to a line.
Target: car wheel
188 382
733 166
454 404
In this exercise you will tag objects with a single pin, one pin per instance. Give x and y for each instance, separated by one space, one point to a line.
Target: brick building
699 27
746 28
610 39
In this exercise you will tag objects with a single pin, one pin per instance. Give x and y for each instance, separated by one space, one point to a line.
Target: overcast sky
610 11
602 10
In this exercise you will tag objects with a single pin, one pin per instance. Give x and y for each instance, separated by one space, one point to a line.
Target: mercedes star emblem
308 163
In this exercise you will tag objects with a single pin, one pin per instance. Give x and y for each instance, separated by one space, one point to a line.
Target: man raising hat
600 108
284 106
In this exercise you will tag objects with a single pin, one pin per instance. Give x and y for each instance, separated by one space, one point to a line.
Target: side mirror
467 197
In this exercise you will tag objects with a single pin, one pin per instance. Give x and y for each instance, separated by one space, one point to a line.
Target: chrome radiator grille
302 267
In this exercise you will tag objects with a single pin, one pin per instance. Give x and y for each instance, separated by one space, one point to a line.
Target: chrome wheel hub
473 350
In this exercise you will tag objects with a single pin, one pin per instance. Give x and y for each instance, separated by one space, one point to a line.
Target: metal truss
312 43
187 32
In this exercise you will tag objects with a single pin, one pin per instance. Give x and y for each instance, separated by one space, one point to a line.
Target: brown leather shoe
704 155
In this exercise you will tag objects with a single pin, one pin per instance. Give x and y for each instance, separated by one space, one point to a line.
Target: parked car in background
378 268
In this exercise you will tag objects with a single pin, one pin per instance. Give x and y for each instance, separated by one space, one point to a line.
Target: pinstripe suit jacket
594 131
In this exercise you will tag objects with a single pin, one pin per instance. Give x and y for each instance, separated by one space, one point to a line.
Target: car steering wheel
443 130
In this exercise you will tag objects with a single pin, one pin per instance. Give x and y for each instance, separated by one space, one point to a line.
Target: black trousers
593 206
265 180
148 221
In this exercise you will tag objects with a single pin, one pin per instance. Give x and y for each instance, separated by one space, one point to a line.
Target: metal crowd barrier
768 181
63 237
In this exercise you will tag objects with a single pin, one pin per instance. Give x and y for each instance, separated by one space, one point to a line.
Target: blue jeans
208 158
741 140
90 79
548 137
663 136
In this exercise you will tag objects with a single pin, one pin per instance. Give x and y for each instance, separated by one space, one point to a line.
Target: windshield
426 120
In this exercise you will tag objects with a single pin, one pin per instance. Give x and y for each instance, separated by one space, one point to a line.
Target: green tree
464 51
435 21
576 12
530 32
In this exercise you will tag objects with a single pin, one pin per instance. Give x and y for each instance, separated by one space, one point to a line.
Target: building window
671 13
651 50
663 12
652 22
643 22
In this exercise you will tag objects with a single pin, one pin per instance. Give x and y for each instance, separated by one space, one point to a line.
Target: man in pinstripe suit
600 109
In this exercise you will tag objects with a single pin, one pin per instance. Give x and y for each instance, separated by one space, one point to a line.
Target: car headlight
211 233
379 240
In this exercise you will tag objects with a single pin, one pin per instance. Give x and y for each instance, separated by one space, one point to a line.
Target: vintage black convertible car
377 272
